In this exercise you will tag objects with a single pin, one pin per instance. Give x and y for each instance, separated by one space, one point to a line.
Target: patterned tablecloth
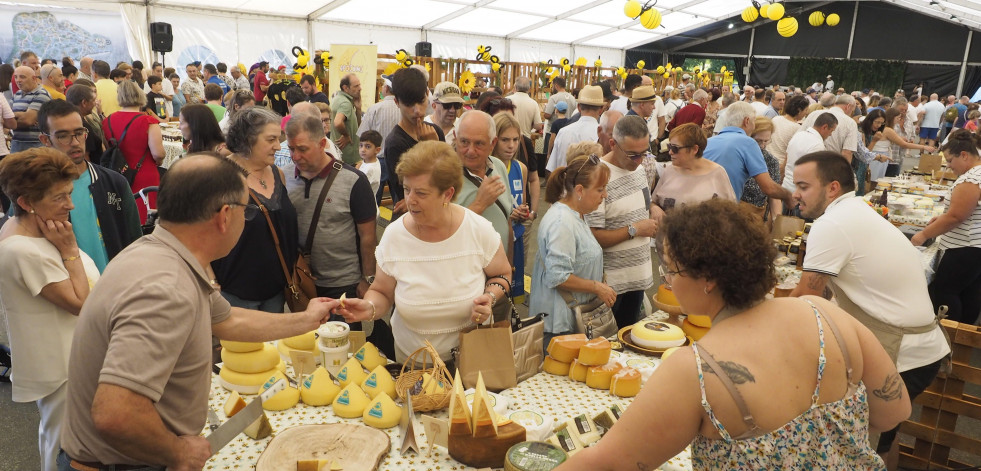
791 275
173 144
557 397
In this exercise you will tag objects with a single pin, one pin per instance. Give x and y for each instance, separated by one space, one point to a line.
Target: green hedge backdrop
882 75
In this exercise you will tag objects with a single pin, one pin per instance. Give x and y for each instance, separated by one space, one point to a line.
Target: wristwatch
369 278
631 232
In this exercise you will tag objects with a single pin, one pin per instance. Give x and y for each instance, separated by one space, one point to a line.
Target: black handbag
114 159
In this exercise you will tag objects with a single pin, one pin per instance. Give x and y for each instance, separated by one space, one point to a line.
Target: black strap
337 167
476 181
121 139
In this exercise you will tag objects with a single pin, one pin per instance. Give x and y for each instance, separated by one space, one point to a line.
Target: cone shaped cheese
379 381
370 357
318 389
282 400
351 373
259 429
460 422
351 402
241 347
307 341
382 412
566 347
595 352
432 386
484 417
264 359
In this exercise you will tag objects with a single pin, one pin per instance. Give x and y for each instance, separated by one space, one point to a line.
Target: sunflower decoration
640 65
483 53
495 63
555 73
581 62
598 63
467 81
566 65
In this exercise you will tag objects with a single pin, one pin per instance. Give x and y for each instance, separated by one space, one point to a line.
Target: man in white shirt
558 94
808 141
830 86
875 272
241 81
759 104
844 140
85 68
591 105
629 84
658 119
526 108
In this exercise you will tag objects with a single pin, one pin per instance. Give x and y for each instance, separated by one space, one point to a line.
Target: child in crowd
156 102
368 149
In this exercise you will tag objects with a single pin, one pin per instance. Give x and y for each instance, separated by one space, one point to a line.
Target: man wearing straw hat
590 104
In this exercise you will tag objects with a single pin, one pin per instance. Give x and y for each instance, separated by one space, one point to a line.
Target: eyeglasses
251 210
674 149
667 275
631 155
452 106
65 137
593 159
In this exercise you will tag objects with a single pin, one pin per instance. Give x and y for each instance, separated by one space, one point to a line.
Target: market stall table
556 397
173 143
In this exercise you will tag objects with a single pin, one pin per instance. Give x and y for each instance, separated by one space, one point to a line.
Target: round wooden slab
357 447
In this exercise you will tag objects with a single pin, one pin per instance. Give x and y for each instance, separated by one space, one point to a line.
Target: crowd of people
276 170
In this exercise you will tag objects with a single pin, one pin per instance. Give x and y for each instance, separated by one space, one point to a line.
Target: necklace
262 181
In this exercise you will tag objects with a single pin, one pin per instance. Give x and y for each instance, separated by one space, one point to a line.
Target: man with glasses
447 108
105 219
622 224
140 370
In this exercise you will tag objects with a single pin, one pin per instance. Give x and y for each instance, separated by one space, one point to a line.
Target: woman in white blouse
442 265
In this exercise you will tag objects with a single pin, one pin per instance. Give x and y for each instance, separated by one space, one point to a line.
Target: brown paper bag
929 163
786 225
490 352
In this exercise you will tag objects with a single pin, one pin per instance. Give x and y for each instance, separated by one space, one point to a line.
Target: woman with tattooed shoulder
775 384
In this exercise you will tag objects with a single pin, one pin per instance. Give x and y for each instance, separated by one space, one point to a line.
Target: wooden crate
945 403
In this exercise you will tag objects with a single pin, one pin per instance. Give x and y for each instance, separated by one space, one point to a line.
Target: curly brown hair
719 241
32 173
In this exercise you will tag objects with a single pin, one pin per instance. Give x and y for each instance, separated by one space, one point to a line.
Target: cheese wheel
666 296
485 452
258 361
599 377
625 383
379 381
245 383
382 412
700 321
282 400
657 334
693 331
555 367
318 389
351 402
284 352
595 352
534 456
307 341
241 347
577 371
351 373
370 357
566 347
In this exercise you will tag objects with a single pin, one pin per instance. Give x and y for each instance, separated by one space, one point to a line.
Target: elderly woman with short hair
441 265
143 142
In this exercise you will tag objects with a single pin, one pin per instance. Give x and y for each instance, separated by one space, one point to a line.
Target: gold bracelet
373 311
73 257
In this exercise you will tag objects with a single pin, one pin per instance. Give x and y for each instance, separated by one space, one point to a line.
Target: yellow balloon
764 10
632 9
650 19
775 12
677 70
641 64
667 75
668 66
816 19
750 14
833 19
660 69
787 27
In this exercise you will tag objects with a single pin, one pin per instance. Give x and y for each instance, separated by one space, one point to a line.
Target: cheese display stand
538 407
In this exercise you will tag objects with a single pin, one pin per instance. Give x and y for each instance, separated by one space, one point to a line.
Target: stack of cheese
581 431
479 437
247 365
561 351
590 363
305 343
696 326
369 395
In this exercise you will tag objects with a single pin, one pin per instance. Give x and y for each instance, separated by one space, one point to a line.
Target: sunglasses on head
593 159
452 106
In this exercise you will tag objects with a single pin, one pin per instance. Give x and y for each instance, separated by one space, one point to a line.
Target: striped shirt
968 232
24 101
381 117
627 264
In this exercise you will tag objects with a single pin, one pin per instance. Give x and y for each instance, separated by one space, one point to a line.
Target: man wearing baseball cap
53 81
447 108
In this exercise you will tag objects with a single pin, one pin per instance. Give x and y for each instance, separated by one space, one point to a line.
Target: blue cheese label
345 398
372 381
269 382
360 354
376 411
343 374
308 382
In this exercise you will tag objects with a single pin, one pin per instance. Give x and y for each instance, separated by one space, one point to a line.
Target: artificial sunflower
467 81
392 67
581 62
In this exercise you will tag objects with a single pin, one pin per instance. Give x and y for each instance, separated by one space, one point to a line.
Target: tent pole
967 51
310 47
749 58
851 37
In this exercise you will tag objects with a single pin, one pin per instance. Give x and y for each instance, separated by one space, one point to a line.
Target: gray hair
76 95
608 119
845 100
700 95
244 130
899 102
313 126
631 126
522 84
737 112
728 98
885 102
130 94
491 127
827 99
825 119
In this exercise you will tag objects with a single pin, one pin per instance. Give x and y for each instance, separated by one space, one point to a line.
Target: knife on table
245 417
213 420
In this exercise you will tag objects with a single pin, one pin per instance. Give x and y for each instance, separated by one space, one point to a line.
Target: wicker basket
411 375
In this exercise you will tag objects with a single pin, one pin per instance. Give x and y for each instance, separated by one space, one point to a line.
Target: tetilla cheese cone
382 412
318 389
379 381
351 402
370 357
351 373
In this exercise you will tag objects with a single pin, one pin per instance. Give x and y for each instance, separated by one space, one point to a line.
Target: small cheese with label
351 402
351 373
566 441
370 357
282 400
382 412
431 385
318 389
379 381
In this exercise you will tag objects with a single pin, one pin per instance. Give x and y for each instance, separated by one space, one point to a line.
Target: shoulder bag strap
477 183
272 230
320 204
125 130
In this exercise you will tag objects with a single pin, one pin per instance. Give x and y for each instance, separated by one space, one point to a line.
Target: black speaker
161 37
424 49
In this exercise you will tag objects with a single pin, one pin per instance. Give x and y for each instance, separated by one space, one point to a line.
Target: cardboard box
929 163
786 225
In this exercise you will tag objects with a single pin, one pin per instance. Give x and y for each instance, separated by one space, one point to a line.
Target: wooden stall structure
949 401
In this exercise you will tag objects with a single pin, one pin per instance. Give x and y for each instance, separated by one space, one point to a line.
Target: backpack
114 159
950 114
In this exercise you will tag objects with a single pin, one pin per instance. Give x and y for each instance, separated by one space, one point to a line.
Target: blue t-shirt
739 154
221 83
961 120
85 222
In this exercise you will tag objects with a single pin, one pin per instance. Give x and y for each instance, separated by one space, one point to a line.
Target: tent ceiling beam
547 21
942 13
325 9
462 11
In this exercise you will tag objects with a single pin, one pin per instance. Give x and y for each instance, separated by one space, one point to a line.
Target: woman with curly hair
736 395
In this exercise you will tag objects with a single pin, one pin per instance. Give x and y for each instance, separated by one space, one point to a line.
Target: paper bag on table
929 163
490 351
786 225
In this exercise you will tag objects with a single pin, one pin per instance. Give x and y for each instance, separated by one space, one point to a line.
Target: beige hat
591 95
643 94
447 92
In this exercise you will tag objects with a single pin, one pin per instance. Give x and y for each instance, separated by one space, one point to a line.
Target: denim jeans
17 146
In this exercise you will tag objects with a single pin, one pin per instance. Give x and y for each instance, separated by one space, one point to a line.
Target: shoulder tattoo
739 374
891 389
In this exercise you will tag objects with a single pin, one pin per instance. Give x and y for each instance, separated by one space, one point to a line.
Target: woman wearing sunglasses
251 276
787 383
569 258
690 178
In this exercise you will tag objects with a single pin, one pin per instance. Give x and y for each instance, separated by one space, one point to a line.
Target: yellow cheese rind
555 367
566 347
282 400
599 377
652 334
307 341
351 373
382 412
370 357
379 381
247 383
577 371
693 331
666 296
625 383
234 404
258 361
318 389
595 352
351 402
700 321
241 347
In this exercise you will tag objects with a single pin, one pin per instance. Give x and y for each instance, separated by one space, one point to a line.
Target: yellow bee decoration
597 63
581 62
566 66
495 63
483 53
621 72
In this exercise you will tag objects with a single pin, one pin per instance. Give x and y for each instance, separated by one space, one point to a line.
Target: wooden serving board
357 447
